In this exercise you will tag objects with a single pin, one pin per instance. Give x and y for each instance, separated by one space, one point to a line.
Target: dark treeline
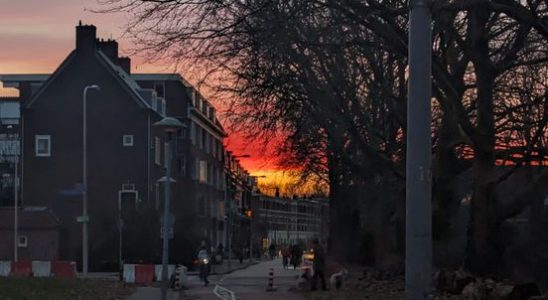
329 76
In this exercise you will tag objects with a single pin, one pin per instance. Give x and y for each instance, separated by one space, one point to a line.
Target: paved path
152 293
247 284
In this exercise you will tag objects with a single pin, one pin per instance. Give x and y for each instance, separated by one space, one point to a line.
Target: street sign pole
418 250
165 237
16 213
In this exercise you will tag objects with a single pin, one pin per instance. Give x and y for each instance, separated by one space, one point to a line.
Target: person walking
203 258
318 265
272 251
296 255
285 256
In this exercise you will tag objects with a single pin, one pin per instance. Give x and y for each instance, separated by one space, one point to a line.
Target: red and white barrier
144 274
63 269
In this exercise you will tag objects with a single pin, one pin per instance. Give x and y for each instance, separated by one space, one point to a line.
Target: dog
337 279
304 280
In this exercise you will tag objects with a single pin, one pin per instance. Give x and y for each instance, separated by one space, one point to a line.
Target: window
22 241
199 136
127 140
157 151
203 171
203 139
192 132
181 166
207 137
43 145
212 145
159 87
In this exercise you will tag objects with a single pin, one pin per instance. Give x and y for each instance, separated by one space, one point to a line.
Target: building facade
289 221
126 156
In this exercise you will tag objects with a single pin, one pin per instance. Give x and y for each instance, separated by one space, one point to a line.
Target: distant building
238 213
38 234
10 147
289 221
125 155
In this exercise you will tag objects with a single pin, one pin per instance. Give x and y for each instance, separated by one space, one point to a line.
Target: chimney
85 37
110 49
125 64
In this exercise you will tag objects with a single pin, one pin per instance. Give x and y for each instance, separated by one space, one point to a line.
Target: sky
49 25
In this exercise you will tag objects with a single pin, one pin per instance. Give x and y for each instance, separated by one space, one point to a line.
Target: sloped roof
51 78
125 78
28 218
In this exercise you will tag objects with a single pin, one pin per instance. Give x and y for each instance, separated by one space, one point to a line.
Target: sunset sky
37 36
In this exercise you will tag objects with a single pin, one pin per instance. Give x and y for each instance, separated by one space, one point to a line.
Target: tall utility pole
418 236
85 218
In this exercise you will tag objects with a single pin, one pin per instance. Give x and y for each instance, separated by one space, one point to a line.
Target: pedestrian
296 254
203 258
318 265
272 251
241 255
285 256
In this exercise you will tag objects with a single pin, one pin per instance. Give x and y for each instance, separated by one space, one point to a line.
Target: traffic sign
82 219
78 190
169 232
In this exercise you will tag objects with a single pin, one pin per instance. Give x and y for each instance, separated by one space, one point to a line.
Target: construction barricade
37 268
63 269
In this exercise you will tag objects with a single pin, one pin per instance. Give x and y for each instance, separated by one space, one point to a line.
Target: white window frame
22 241
203 176
42 137
129 142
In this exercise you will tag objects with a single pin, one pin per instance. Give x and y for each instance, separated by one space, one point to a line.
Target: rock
501 291
460 280
441 280
475 291
524 291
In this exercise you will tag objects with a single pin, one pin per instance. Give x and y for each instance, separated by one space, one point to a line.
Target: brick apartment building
125 155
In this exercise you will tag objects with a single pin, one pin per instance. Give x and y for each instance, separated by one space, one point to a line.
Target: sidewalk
152 293
224 268
235 265
249 283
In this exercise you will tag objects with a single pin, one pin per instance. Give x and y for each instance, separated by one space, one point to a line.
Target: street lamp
85 218
169 126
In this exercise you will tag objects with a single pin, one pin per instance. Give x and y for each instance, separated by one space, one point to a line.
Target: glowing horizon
27 28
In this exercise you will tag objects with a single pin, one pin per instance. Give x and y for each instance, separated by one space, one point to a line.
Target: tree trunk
484 249
344 217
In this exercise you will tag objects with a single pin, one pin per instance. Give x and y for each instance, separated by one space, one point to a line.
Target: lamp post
16 211
251 223
418 250
85 182
169 126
